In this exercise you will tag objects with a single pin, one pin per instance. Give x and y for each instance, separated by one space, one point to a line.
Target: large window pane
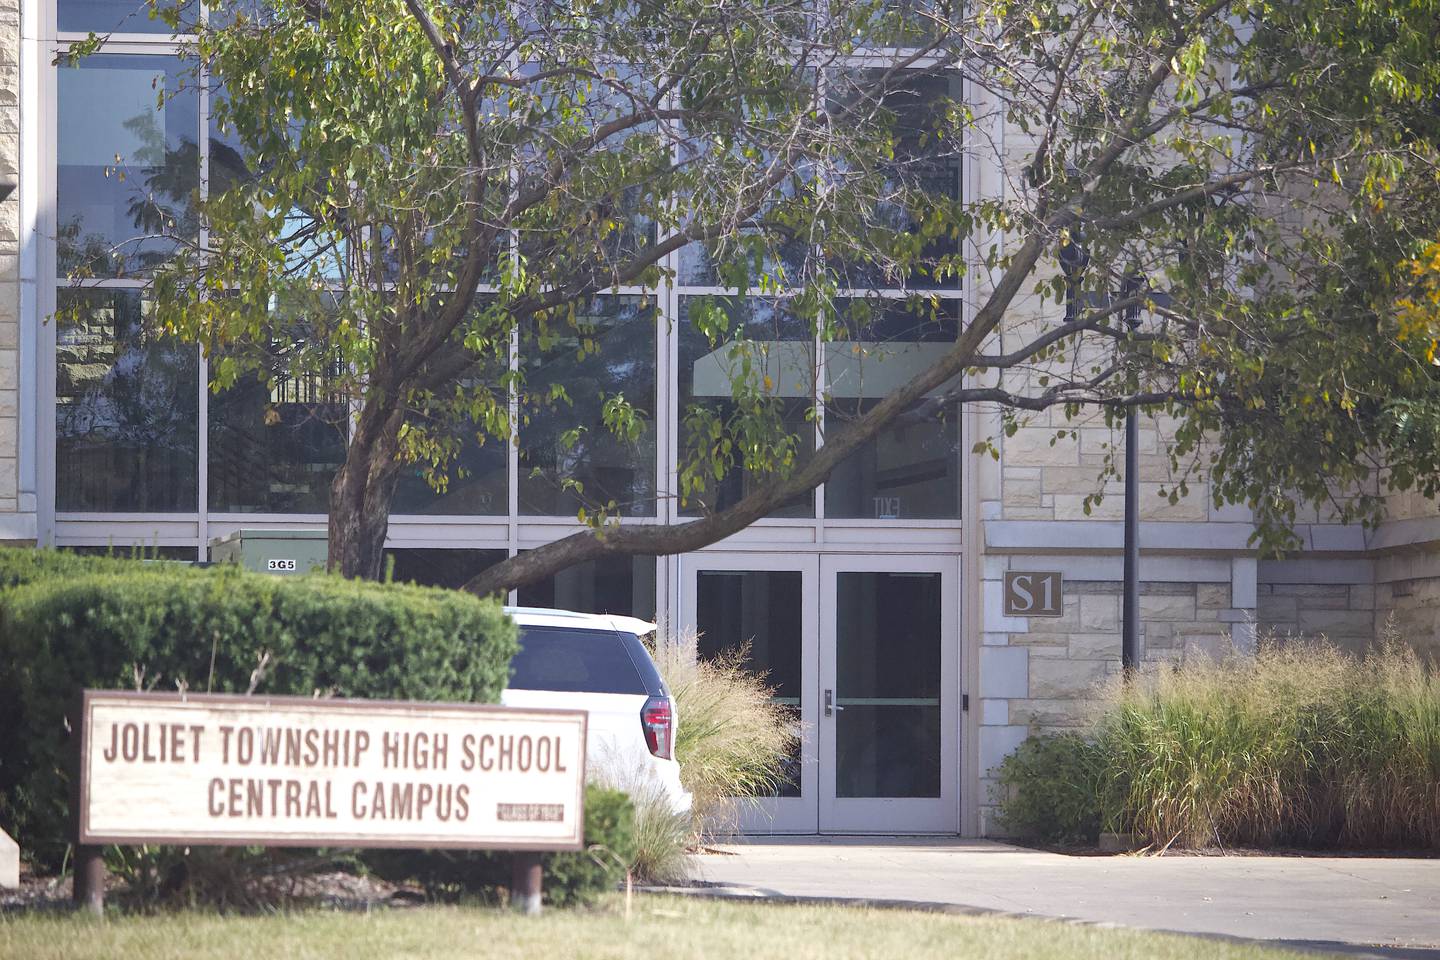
780 348
912 470
624 587
126 171
475 484
440 567
926 158
277 436
119 16
607 351
126 407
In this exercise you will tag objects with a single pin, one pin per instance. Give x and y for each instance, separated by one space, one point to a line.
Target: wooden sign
291 771
1034 594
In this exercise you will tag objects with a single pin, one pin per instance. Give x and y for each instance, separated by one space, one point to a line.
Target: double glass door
863 653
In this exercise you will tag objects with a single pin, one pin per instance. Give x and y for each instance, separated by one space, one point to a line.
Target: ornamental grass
1300 745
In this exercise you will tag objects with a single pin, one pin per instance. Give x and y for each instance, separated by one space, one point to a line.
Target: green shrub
1299 745
734 741
1051 787
569 878
67 623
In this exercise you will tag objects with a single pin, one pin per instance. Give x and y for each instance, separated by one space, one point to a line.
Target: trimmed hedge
569 878
68 622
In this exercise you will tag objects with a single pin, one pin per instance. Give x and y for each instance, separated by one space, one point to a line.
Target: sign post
295 772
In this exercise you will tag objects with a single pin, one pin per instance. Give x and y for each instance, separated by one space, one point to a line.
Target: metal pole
1130 638
89 883
1130 608
525 882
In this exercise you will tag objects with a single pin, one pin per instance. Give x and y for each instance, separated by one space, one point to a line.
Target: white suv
596 663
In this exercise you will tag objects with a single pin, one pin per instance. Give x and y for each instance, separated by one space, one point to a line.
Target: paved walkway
1364 906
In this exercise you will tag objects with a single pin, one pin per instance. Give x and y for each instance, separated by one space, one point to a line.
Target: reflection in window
624 588
126 407
925 158
439 567
119 16
781 349
912 470
475 483
607 350
277 437
758 611
126 172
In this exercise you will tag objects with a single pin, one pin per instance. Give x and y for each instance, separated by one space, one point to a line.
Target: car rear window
575 661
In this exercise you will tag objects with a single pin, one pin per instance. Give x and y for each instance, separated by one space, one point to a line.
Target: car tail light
658 722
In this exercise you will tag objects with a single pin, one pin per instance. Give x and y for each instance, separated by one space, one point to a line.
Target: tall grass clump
1300 745
734 741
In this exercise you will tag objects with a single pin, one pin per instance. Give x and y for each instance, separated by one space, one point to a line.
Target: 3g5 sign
1034 594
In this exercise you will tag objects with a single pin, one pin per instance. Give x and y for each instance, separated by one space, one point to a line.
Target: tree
1251 176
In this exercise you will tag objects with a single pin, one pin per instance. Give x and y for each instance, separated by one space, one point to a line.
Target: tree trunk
361 493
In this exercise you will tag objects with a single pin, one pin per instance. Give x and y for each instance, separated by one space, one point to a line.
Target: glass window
476 477
440 567
912 470
623 587
277 436
574 661
119 16
780 349
126 407
475 484
926 157
569 458
126 171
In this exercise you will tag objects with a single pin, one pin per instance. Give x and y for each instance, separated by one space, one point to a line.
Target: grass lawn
668 927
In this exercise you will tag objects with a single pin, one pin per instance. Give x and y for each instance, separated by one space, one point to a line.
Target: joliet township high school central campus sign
287 771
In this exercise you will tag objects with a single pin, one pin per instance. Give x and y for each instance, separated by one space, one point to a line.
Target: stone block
1065 679
1362 597
1031 447
1337 623
1004 672
1212 596
1167 607
1273 608
1100 612
1095 646
1053 714
995 713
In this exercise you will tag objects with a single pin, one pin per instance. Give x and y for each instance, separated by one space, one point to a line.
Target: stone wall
1313 598
1047 675
9 261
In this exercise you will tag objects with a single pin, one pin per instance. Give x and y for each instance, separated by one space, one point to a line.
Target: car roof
546 617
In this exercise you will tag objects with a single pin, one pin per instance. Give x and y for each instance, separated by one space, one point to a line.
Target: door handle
831 707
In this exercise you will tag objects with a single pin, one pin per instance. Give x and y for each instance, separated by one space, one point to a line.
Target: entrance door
864 653
888 672
766 605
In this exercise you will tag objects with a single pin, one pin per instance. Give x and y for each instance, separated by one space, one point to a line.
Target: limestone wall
9 260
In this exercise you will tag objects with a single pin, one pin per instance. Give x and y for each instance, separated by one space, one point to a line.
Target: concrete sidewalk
1364 906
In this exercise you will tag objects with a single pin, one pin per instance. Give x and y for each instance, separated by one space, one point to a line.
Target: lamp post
1130 607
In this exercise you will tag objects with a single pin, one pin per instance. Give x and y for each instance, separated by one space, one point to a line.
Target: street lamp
1073 261
1130 605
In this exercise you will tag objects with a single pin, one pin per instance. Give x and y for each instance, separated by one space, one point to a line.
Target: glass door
888 675
766 606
